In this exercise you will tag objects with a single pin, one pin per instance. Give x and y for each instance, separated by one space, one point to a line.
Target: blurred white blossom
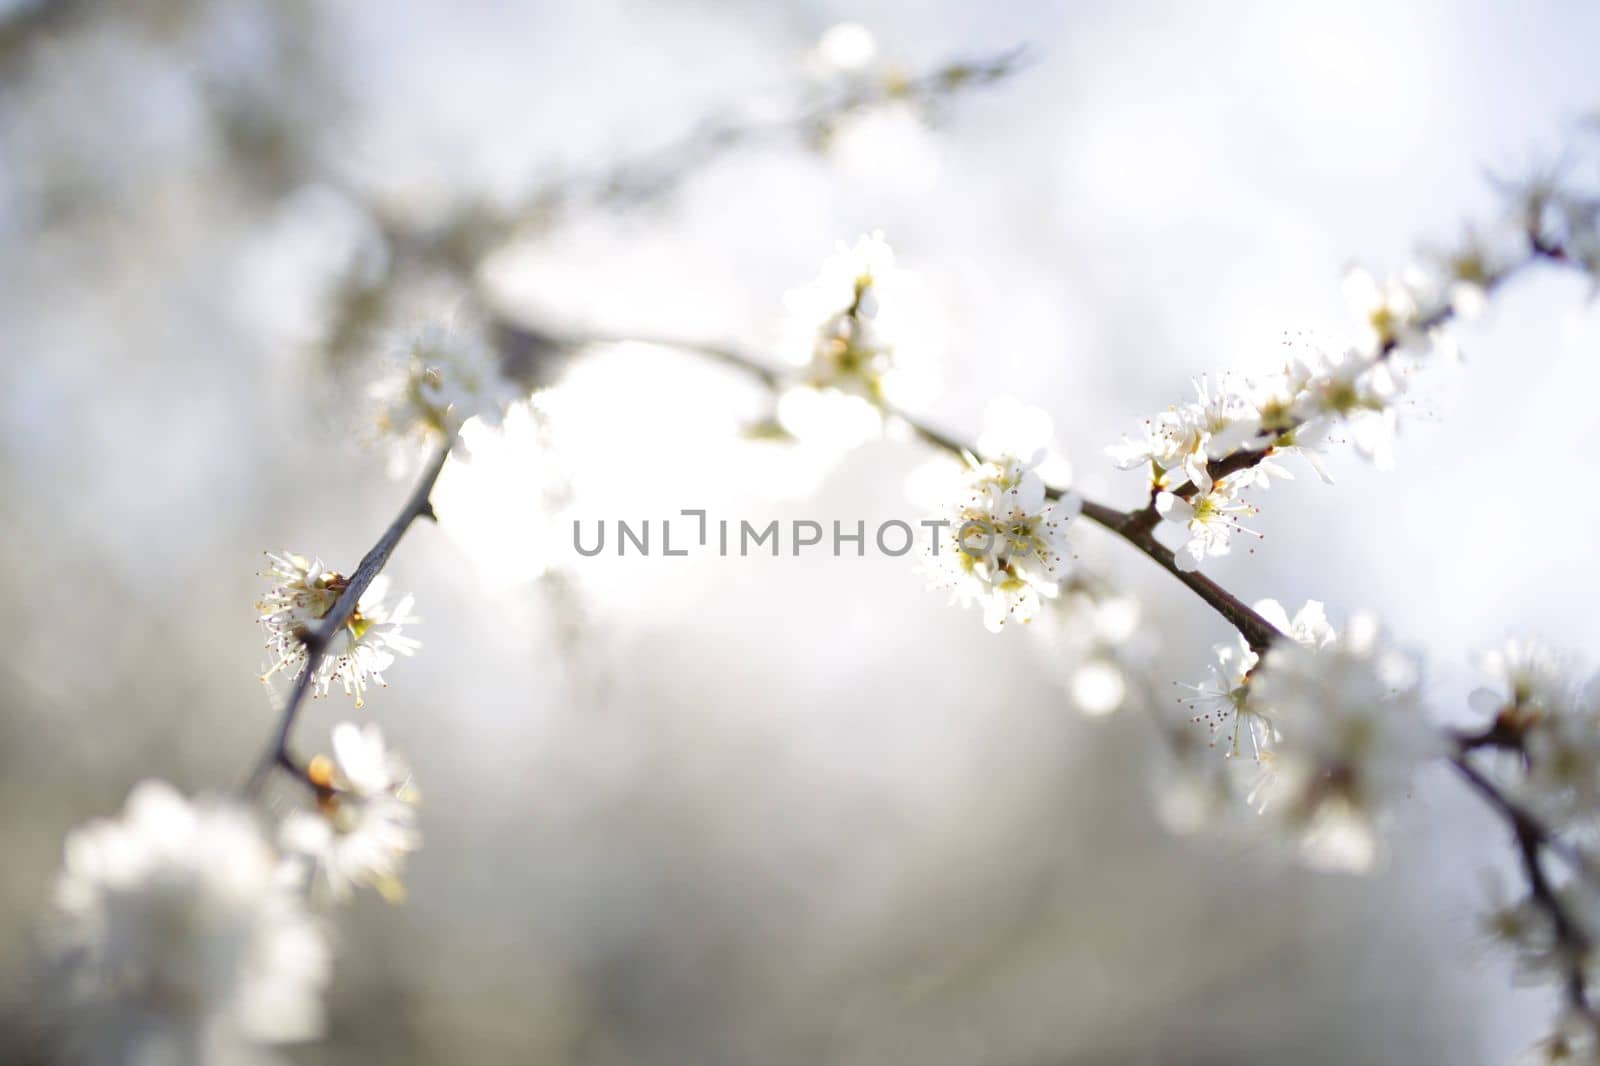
859 334
1550 717
441 376
1011 427
366 822
1092 641
1226 704
1391 313
177 938
1352 732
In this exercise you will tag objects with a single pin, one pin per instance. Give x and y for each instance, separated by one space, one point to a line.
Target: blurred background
709 810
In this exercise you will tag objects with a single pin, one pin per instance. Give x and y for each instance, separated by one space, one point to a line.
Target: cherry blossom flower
1554 717
441 378
1357 390
1225 703
833 327
1353 730
1468 271
1180 442
1004 544
365 824
1208 520
1392 313
358 652
177 939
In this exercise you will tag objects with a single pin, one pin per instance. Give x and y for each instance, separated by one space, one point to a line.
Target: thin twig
1247 458
318 640
1532 840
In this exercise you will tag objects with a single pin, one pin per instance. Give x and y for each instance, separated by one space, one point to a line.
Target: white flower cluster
859 337
1332 723
303 593
441 378
366 821
182 935
1549 718
177 939
1203 454
1244 425
1003 544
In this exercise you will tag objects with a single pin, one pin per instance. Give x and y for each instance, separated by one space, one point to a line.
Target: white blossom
1352 731
1527 677
1553 718
1468 271
833 327
1208 520
1358 390
177 940
1277 398
360 650
1004 544
1394 313
366 822
1222 703
441 377
1225 702
1011 427
1180 442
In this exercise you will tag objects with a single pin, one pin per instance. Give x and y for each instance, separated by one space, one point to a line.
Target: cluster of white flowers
1331 722
1321 395
1549 718
182 935
1003 544
303 593
1352 729
177 939
441 377
366 821
1296 410
859 337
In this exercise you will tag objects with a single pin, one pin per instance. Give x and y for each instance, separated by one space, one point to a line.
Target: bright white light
1097 688
847 46
498 504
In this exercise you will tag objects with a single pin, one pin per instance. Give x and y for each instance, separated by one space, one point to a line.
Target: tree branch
1532 840
317 641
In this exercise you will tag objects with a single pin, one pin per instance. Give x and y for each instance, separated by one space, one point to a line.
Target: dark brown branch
1130 526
